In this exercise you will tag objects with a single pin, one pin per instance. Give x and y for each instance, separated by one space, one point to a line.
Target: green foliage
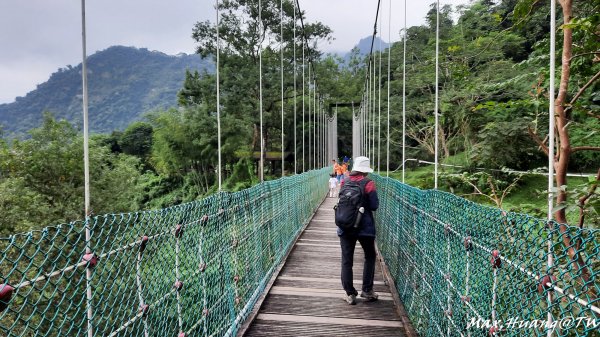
136 140
48 170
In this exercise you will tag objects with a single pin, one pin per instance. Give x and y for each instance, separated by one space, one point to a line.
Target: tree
579 58
41 179
242 38
136 140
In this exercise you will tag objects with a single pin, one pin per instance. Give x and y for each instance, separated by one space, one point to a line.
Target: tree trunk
561 160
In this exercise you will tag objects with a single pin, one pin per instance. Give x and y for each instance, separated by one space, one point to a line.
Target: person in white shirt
333 186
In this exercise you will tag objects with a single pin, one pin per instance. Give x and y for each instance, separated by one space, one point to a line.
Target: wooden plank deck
306 298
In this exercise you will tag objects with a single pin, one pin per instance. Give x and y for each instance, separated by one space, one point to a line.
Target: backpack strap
363 193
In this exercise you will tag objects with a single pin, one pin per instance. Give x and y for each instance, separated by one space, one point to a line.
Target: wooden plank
329 320
317 245
319 279
316 292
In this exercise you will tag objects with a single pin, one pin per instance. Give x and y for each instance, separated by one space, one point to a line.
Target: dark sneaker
370 296
351 299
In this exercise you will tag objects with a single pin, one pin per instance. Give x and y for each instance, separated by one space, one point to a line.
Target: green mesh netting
189 270
439 250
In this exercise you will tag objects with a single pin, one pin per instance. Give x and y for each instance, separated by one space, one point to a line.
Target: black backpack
347 211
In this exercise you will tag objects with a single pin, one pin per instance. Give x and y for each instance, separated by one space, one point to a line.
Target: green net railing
463 269
191 270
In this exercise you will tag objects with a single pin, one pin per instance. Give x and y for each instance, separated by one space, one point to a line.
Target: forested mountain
124 83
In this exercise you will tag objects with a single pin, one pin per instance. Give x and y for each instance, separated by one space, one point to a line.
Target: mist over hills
124 83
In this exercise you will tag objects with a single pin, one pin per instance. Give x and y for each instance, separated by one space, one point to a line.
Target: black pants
348 242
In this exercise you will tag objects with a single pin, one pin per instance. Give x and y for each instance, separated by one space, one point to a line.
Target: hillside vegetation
124 83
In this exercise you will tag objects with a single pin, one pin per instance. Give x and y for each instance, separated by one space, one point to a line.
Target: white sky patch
40 36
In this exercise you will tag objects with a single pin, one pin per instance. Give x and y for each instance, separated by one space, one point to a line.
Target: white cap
361 164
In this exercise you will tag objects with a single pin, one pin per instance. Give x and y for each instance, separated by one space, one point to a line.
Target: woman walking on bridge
363 232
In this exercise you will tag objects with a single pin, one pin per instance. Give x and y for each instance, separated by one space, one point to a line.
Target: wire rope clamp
494 330
178 231
465 299
448 312
143 243
468 244
91 259
202 267
543 285
205 312
238 300
6 292
495 260
446 229
236 278
234 243
447 277
178 285
204 218
144 308
181 334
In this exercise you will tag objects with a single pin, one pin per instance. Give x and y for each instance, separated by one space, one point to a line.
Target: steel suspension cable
260 93
369 71
281 69
219 168
310 163
387 166
86 174
437 92
404 96
303 110
551 131
314 159
318 133
295 98
374 110
368 113
314 81
379 107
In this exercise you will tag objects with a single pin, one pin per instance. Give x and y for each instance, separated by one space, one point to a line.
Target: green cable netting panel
195 269
455 262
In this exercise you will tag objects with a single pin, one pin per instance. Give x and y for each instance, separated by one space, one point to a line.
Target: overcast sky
39 36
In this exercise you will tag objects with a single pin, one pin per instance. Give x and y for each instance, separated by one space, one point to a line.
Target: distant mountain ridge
364 47
124 83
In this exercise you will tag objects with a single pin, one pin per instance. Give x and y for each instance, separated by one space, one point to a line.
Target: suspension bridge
265 261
